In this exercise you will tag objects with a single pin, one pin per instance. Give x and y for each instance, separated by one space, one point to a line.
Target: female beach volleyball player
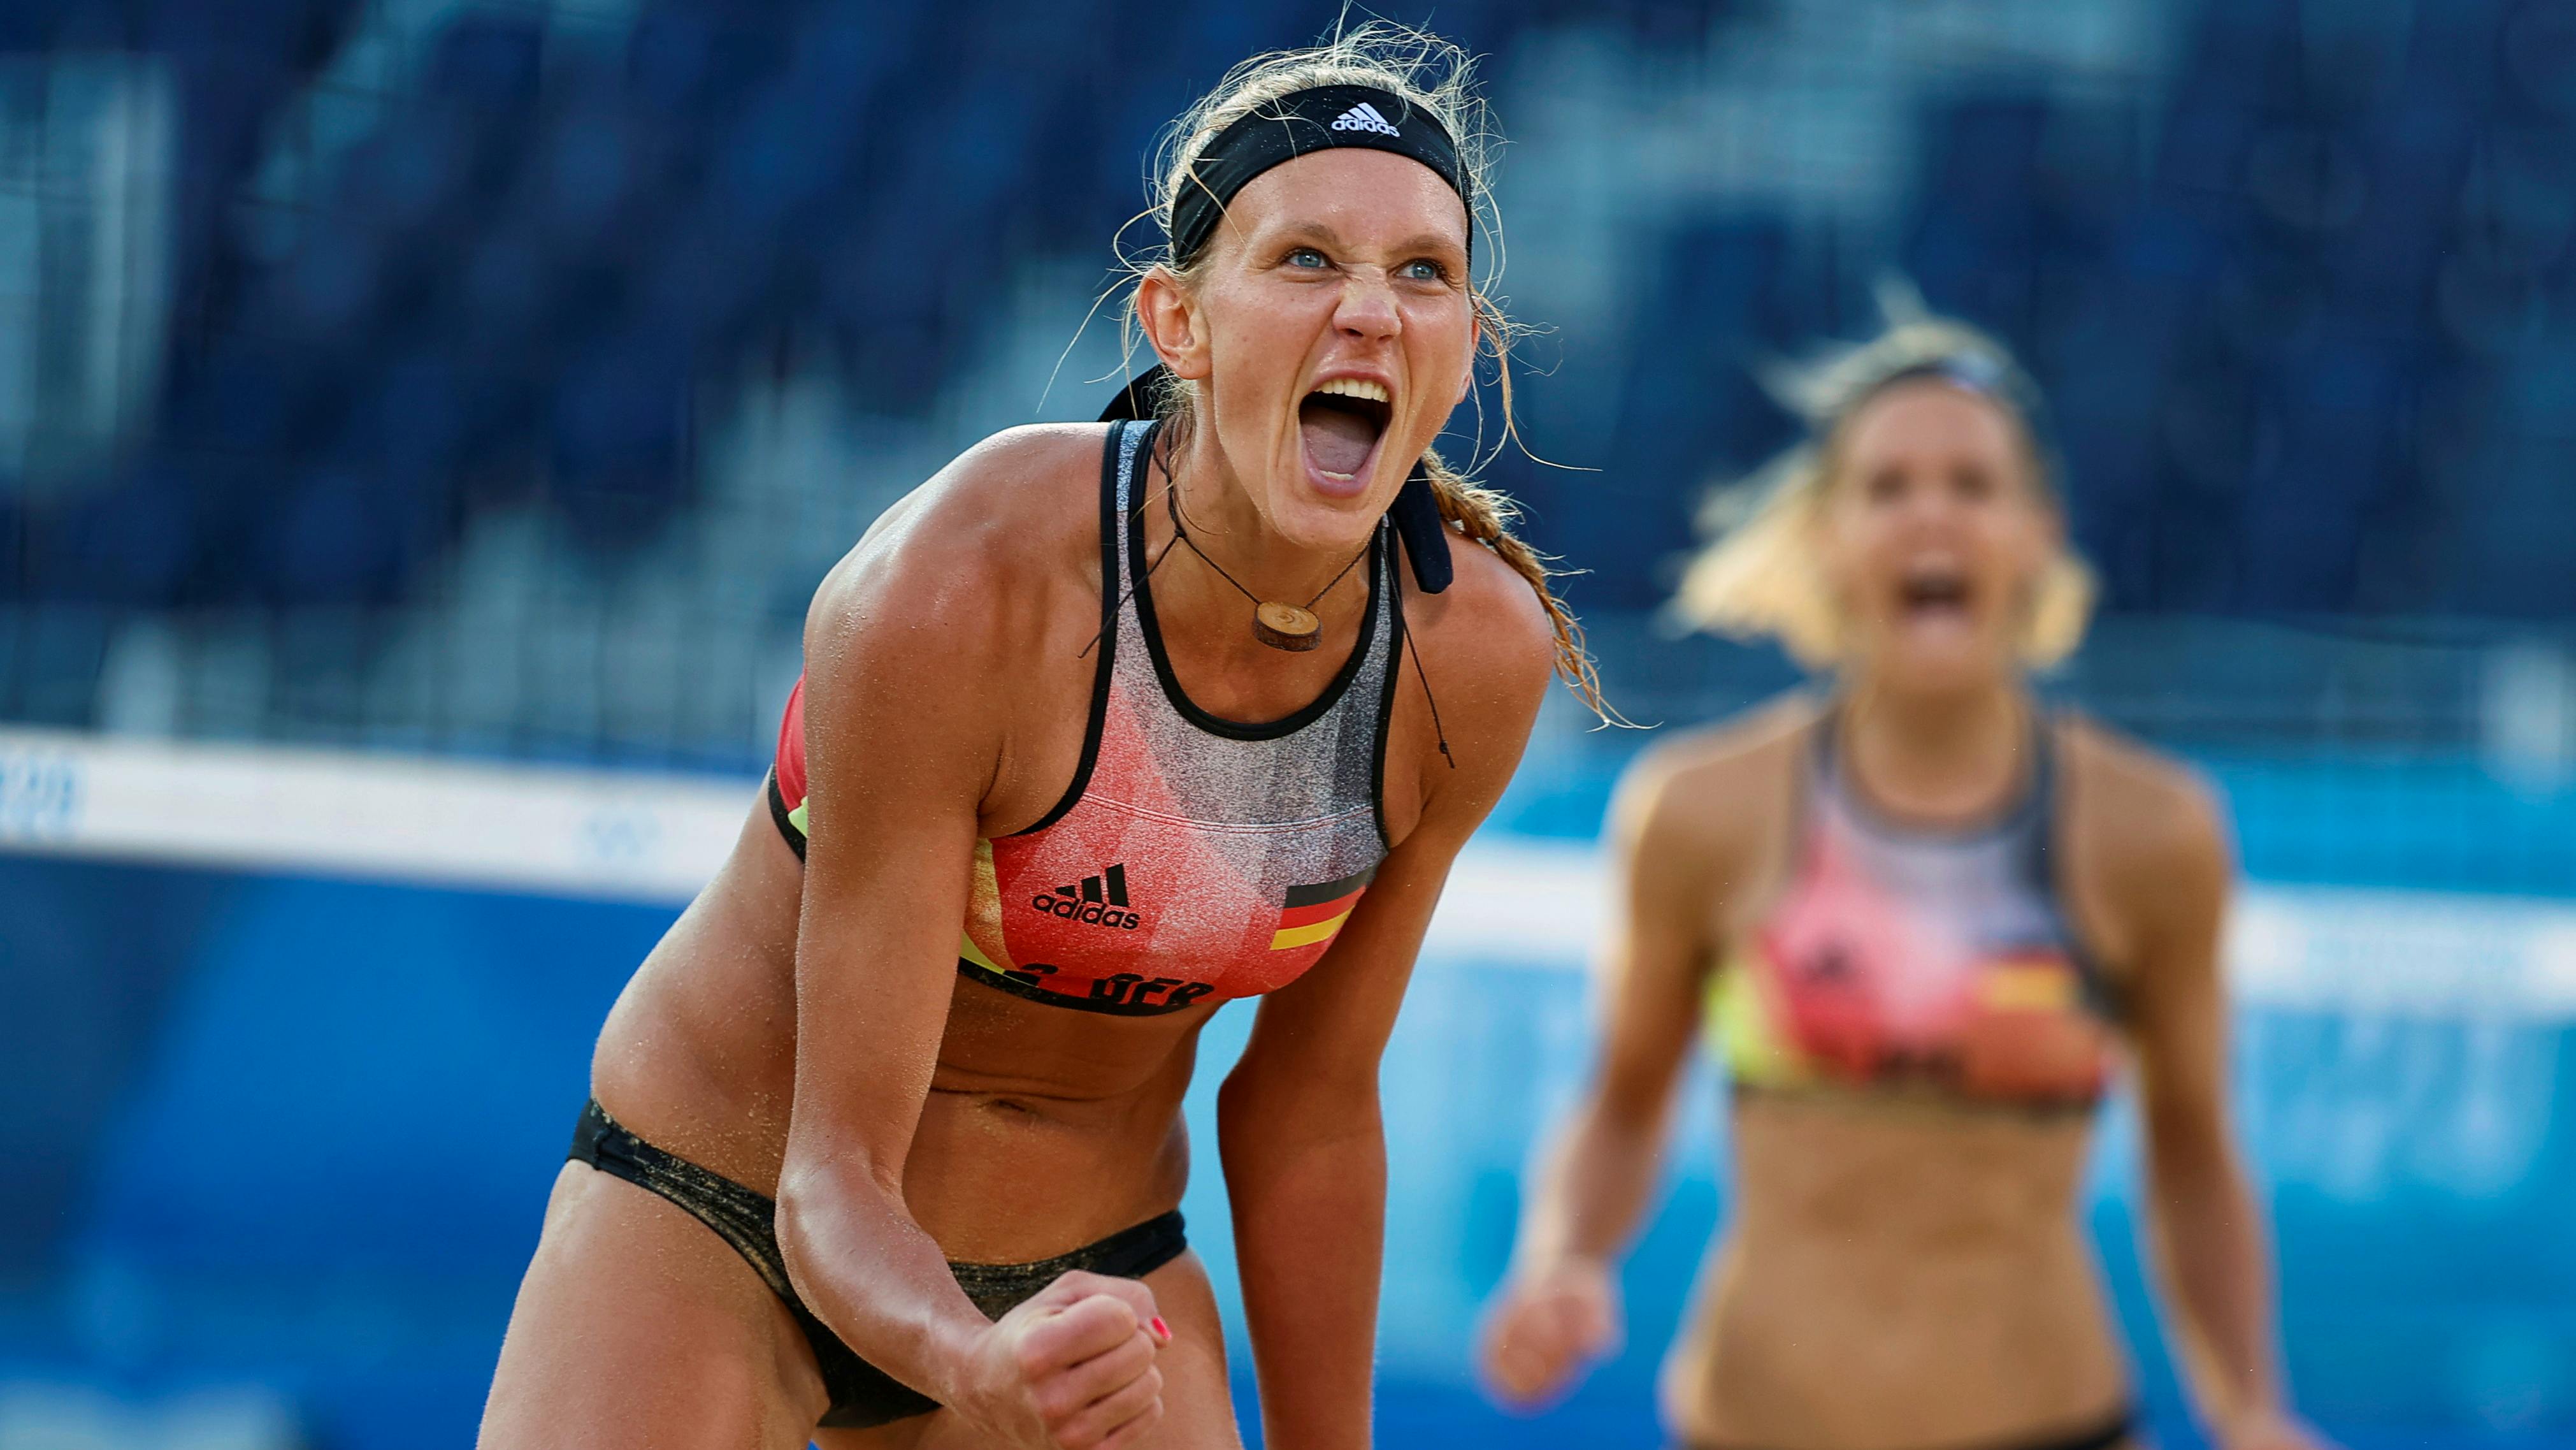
1100 728
1924 917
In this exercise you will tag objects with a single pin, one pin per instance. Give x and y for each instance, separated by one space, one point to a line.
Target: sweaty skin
807 1034
1901 1269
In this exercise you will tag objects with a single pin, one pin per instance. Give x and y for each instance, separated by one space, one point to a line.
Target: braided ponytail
1485 515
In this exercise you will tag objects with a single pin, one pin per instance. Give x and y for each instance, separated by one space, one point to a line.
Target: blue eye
1425 271
1307 257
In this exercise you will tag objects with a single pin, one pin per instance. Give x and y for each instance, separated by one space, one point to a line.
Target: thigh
1198 1408
1198 1411
637 1326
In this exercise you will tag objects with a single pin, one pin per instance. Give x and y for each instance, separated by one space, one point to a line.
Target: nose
1929 505
1932 506
1917 518
1367 312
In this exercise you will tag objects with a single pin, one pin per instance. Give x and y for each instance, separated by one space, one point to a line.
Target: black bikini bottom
862 1394
2102 1436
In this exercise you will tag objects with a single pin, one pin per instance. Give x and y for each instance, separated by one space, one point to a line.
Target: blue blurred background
493 382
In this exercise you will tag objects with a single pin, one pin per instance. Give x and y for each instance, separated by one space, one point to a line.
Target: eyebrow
1323 232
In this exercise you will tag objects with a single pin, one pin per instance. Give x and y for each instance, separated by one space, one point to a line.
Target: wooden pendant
1285 626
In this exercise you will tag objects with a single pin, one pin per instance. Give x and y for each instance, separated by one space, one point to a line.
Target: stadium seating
2268 309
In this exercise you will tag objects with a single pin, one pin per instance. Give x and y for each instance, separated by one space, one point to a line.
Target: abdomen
1899 1275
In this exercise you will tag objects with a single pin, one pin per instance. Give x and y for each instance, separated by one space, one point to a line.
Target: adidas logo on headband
1364 117
1318 118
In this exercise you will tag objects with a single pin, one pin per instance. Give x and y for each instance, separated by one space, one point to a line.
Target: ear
1817 537
2050 523
1475 341
1169 317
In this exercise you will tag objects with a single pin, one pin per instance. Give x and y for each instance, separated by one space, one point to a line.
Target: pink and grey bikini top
1901 958
1193 858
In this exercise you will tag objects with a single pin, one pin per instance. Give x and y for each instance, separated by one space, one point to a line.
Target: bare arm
903 734
1602 1168
1559 1309
2212 1247
1299 1127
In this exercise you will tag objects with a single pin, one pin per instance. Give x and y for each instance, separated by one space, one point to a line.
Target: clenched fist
1547 1327
1072 1368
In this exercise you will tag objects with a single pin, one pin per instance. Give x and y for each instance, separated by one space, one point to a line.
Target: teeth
1357 388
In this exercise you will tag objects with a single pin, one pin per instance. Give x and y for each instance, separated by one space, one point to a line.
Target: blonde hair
1439 79
1758 577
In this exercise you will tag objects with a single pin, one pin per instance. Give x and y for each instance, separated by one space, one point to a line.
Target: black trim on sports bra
1099 717
778 809
1288 724
1005 982
2102 992
1743 1092
2011 814
2036 808
1107 644
1386 707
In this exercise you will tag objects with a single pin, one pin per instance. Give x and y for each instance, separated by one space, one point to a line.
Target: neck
1952 753
1218 511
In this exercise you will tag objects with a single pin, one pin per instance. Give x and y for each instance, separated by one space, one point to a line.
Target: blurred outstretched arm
1558 1310
2212 1246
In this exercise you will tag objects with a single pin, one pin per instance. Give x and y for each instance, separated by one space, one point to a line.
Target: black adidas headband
1319 118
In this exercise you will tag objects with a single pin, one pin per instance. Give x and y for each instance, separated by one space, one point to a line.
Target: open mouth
1934 593
1341 422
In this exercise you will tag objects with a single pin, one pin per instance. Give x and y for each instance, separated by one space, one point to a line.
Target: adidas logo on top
1095 901
1365 117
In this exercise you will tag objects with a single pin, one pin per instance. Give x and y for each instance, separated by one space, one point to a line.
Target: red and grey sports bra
1192 859
1902 958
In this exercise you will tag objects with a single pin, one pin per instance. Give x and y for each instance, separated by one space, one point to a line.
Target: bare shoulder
1489 618
1718 789
990 546
1703 765
1488 642
2153 817
2147 854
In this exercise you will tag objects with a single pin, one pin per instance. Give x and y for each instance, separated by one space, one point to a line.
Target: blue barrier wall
298 1133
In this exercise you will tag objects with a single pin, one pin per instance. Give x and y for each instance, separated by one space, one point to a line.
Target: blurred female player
887 1134
1927 915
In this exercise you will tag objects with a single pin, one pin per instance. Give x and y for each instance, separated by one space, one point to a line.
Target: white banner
544 829
659 837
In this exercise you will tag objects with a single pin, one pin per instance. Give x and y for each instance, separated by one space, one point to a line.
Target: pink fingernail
1162 1331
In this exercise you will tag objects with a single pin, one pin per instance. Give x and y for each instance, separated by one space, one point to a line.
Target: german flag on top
1314 913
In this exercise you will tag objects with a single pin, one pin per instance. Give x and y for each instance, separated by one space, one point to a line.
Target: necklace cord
1424 676
1172 498
1180 535
1128 593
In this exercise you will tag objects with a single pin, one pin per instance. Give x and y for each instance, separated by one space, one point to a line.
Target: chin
1311 518
1943 667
